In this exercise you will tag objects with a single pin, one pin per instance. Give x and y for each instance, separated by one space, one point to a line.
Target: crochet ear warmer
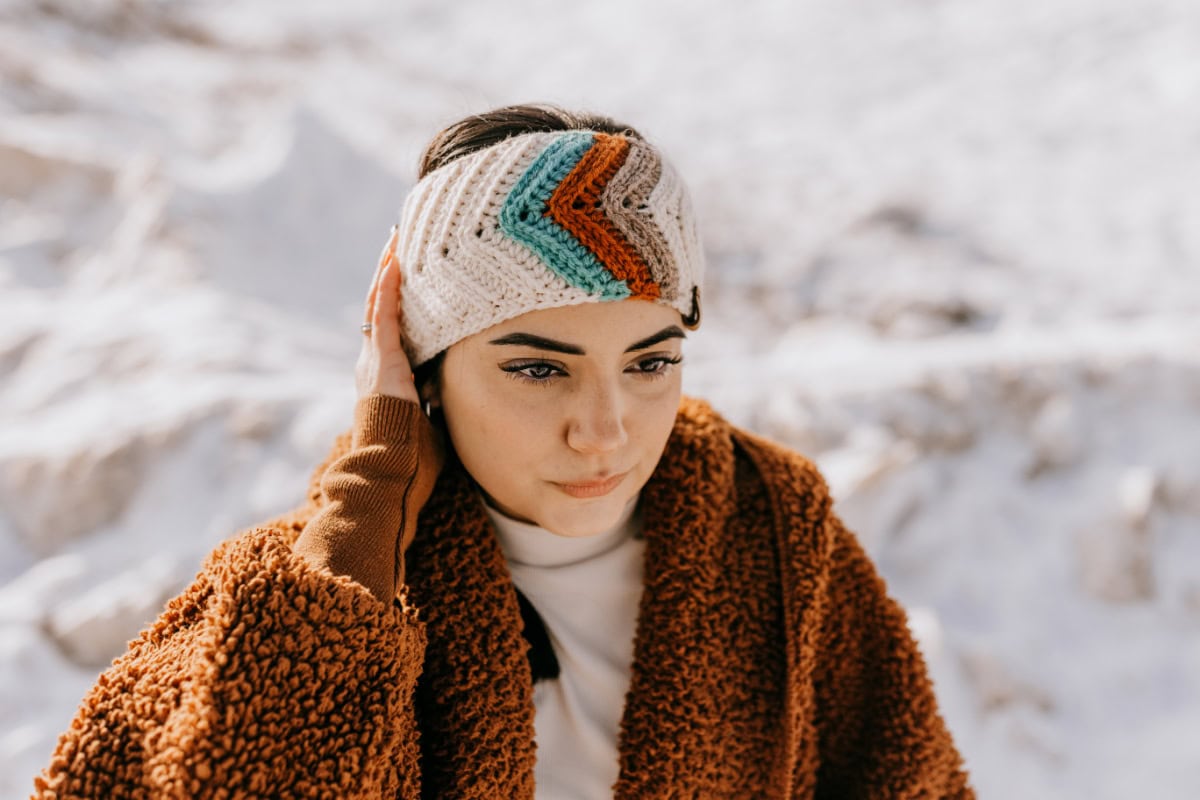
538 221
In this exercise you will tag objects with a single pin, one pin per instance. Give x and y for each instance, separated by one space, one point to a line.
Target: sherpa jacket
768 662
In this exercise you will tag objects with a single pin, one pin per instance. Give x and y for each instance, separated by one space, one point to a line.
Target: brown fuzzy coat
768 661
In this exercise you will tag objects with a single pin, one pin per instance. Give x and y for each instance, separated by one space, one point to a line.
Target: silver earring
428 409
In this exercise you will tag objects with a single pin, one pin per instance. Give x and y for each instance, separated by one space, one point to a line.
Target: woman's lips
592 488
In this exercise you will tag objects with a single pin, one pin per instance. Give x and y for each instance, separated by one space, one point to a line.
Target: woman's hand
382 364
375 492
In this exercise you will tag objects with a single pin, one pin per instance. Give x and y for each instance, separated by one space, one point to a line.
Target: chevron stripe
626 200
576 206
524 219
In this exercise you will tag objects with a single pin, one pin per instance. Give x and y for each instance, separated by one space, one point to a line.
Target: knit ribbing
386 477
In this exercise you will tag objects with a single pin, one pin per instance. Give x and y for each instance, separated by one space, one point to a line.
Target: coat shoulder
798 493
790 476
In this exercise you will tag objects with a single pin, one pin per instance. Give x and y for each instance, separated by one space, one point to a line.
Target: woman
530 563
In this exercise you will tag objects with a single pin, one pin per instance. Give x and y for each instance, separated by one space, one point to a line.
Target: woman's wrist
384 419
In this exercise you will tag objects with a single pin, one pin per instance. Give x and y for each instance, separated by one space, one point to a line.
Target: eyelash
517 371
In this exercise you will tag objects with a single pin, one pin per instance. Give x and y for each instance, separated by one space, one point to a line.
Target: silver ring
365 327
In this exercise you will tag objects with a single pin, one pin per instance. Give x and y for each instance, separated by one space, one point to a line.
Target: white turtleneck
586 591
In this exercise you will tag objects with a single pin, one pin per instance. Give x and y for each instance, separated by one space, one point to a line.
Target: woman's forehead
591 327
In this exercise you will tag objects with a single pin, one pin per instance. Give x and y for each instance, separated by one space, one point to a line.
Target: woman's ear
428 377
430 394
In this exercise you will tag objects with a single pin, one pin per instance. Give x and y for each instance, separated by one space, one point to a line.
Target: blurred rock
27 598
1037 733
53 498
92 628
1057 436
256 421
785 417
1116 556
879 483
1180 487
938 278
996 686
868 456
1024 389
951 389
922 418
25 173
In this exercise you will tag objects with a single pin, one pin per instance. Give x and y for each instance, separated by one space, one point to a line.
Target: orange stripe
575 205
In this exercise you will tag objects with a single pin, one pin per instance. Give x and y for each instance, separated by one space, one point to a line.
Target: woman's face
561 414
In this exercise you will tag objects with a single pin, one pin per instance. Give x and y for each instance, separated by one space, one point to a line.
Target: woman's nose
597 425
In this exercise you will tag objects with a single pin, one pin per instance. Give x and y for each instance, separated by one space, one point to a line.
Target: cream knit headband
538 221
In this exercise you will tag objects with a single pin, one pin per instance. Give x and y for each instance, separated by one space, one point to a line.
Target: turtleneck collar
534 546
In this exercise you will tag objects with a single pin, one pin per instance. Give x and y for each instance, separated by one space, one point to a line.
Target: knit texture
538 221
376 467
769 661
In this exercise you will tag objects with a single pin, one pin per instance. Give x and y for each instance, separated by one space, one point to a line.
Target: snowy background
954 256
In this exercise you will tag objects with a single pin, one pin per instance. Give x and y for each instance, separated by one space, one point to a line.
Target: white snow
954 258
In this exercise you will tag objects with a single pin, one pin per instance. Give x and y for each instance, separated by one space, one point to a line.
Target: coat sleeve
270 676
880 732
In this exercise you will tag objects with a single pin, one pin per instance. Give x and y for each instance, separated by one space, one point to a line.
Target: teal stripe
523 219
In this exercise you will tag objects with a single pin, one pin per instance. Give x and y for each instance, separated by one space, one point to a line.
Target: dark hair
479 131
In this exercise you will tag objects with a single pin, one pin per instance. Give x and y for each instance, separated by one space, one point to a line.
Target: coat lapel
669 711
474 699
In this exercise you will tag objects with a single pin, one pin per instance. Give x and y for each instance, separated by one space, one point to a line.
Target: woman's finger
385 255
388 366
386 318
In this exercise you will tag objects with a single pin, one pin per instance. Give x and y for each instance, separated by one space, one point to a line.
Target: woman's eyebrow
670 332
542 343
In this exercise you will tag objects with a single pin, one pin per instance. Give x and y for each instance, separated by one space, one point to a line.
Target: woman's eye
536 372
541 371
658 365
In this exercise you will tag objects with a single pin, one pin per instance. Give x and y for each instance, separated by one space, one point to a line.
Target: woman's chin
593 519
